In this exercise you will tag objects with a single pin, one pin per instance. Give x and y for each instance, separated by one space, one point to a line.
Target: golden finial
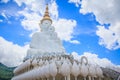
46 15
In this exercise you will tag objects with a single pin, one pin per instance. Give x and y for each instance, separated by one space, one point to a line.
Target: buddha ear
40 24
41 30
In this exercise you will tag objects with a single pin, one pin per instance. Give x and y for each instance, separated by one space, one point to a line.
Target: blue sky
88 30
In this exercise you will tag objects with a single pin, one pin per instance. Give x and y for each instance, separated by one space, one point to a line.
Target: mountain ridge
6 73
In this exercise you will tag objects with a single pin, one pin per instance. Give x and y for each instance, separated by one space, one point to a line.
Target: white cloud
105 14
64 28
11 54
94 59
33 5
19 2
31 21
77 2
110 37
53 10
4 15
75 42
4 1
1 20
76 55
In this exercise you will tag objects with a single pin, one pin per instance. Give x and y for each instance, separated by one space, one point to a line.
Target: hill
6 73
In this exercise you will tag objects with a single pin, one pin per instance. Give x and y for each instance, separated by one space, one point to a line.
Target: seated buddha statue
45 41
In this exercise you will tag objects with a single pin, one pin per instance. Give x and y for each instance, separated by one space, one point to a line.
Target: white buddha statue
46 41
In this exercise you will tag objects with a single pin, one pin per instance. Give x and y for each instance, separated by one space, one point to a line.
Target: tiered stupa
47 59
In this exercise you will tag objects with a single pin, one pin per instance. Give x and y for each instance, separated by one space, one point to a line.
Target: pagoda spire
46 15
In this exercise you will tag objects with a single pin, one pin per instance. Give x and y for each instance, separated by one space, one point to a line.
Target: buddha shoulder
36 34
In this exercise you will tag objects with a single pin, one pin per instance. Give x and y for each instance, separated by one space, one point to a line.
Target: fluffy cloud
75 42
11 54
1 20
4 1
77 2
65 28
4 15
110 37
33 14
94 59
54 10
31 21
105 14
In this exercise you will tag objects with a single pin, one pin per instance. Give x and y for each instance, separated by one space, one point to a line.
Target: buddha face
45 25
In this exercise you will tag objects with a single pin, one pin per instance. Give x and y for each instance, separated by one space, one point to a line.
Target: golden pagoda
46 15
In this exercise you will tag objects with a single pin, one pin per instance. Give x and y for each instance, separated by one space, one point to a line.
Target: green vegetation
6 73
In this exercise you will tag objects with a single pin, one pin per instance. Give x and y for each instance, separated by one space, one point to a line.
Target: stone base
60 77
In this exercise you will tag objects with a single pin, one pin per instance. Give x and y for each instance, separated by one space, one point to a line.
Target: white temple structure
47 59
